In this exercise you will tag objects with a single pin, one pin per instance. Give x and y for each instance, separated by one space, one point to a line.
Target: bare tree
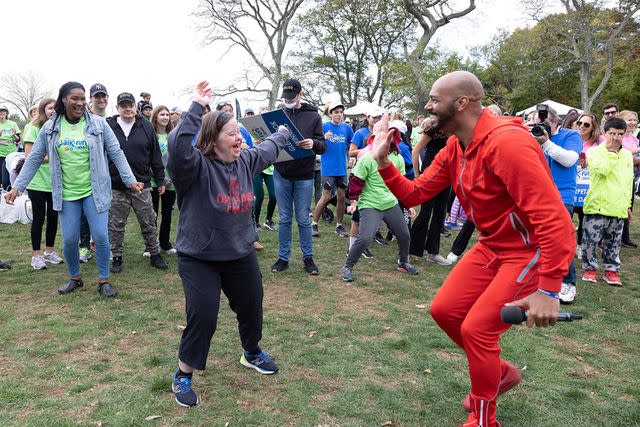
587 32
224 20
22 90
431 15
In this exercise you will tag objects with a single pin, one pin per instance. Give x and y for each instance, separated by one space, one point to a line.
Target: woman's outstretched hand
203 93
382 142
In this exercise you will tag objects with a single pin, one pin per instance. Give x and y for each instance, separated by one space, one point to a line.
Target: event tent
560 108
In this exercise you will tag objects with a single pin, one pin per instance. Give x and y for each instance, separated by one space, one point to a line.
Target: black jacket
142 151
309 123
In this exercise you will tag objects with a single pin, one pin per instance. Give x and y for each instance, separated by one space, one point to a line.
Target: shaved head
461 83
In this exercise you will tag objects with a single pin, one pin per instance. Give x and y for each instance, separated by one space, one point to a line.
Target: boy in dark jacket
293 179
140 146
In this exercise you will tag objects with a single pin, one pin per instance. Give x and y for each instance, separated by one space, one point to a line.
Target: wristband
549 294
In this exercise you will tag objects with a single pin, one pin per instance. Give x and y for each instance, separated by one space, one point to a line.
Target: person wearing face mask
78 146
294 179
213 181
139 143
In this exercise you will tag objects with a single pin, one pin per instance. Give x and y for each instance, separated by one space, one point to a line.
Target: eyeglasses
585 124
223 103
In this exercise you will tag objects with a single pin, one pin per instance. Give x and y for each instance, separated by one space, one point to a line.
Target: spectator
9 138
293 179
361 136
33 112
607 204
569 121
609 111
338 136
146 99
630 142
562 149
248 112
146 111
139 143
175 116
79 179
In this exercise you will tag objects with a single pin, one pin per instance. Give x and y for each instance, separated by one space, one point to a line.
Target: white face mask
292 105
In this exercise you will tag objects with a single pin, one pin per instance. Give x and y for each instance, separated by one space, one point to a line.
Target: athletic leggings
241 282
258 191
578 210
168 200
42 204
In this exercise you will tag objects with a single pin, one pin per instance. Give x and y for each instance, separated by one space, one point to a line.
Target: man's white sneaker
171 251
438 259
146 254
452 257
37 262
52 258
567 293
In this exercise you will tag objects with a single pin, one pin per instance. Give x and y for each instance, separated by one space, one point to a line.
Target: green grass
360 354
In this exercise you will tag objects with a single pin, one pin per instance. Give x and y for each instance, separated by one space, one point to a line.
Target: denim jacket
103 146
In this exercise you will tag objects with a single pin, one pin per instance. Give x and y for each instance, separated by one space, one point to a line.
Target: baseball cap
5 108
125 97
332 105
290 89
145 105
249 110
98 88
398 124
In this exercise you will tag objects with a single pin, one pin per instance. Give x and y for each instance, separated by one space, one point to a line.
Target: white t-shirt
126 127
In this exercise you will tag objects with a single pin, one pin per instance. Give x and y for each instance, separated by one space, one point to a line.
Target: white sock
314 223
352 240
338 224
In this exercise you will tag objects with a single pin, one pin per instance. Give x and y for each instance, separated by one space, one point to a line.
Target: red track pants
467 307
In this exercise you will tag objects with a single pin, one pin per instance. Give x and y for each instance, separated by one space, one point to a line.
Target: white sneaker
171 251
452 257
567 293
438 259
578 252
37 262
52 258
146 254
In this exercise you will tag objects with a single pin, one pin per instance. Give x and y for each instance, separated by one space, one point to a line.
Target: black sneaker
158 262
347 274
260 362
116 265
629 244
280 265
71 286
315 232
4 266
310 267
367 254
380 239
107 290
185 395
269 225
445 233
340 231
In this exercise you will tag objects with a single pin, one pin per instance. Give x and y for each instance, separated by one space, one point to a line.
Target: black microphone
515 316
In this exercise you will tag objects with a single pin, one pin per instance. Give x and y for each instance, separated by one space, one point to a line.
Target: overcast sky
144 45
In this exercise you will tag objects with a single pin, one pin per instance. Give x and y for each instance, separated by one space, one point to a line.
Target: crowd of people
87 170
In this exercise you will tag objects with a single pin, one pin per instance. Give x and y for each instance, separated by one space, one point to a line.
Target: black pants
4 173
463 237
241 282
625 230
578 210
168 200
42 205
425 233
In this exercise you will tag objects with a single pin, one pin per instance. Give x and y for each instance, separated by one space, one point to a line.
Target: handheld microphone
515 316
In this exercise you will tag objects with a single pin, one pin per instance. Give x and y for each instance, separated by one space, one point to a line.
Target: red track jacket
504 185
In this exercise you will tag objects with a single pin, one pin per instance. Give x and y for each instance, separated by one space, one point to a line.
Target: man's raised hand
203 93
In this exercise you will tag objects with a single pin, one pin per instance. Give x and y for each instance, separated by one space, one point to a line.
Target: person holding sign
293 179
213 182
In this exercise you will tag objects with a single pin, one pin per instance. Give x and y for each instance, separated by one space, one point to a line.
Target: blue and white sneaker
185 395
260 362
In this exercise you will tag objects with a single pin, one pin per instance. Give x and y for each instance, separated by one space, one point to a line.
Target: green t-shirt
375 193
73 150
42 179
6 137
268 171
163 138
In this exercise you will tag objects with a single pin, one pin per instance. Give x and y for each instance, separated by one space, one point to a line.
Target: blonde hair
627 114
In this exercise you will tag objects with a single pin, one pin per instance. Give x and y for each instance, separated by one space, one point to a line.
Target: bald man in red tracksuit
526 244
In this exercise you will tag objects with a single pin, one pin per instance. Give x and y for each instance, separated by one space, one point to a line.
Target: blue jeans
288 194
70 217
571 275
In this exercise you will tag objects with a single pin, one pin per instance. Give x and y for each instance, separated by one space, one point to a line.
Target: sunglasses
585 124
223 103
610 113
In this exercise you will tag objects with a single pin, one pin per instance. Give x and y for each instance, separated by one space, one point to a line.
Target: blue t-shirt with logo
563 177
334 159
360 137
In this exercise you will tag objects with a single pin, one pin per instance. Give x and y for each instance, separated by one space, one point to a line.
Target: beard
443 118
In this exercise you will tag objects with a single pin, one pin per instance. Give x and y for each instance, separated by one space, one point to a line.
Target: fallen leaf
99 423
524 368
182 328
226 424
387 327
580 358
153 417
421 306
312 333
427 371
387 423
133 332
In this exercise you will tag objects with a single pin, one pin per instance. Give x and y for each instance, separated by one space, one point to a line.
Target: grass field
363 354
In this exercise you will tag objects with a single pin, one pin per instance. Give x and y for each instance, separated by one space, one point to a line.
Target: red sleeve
430 182
518 161
355 187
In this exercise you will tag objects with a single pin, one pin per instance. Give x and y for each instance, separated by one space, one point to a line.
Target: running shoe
340 231
279 265
185 395
347 274
52 258
310 267
367 254
85 255
452 257
269 225
438 259
407 267
567 293
379 239
261 362
612 278
37 262
314 230
590 276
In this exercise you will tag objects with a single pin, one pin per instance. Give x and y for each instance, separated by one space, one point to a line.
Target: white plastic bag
21 210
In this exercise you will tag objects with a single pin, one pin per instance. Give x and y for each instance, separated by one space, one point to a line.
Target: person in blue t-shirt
361 136
338 135
562 151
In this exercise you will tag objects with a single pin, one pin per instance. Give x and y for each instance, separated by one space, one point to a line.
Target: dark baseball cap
126 97
98 88
145 105
290 89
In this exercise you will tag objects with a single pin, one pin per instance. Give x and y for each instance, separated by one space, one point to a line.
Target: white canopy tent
363 108
562 109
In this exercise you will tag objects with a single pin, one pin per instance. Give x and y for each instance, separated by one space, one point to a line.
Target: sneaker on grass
567 293
438 259
452 257
85 255
407 267
261 362
590 276
4 266
367 253
185 395
37 262
347 274
310 267
269 225
612 278
379 239
340 231
315 232
279 265
52 258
